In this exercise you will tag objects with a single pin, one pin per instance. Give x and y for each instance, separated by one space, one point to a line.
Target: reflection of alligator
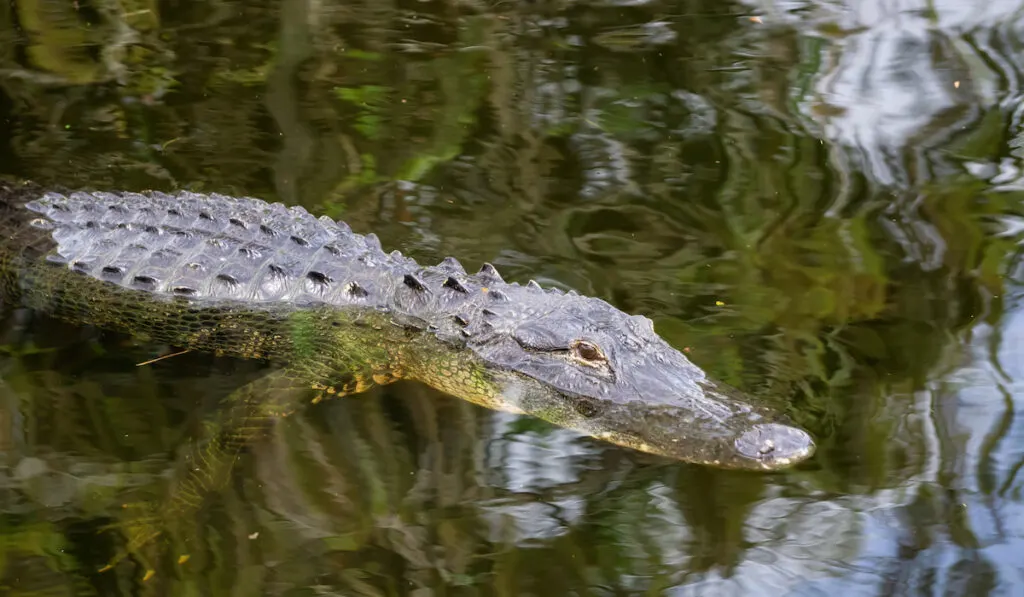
245 278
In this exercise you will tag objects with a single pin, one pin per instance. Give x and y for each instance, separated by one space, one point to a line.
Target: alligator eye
587 351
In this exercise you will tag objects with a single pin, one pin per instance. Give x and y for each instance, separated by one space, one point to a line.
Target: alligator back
199 247
204 254
206 272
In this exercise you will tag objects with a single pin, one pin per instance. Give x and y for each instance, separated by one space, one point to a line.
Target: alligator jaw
764 446
749 438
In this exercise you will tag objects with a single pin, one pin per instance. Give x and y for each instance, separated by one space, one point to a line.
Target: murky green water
822 203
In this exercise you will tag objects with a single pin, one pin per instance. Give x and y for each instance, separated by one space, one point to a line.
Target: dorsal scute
451 265
490 274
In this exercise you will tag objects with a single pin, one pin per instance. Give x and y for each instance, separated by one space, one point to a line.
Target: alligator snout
775 445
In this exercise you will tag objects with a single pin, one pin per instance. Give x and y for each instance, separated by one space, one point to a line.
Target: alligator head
582 364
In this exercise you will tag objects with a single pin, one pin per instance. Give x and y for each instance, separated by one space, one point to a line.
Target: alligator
335 314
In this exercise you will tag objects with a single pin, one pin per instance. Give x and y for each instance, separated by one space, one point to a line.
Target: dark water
822 203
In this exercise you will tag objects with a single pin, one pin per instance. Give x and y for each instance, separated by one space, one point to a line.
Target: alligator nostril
774 445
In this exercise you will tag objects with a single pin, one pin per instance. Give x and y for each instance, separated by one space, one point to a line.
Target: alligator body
335 313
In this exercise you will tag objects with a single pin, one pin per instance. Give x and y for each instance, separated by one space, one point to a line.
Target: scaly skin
240 277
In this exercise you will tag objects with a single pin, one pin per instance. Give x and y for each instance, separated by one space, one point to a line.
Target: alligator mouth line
763 445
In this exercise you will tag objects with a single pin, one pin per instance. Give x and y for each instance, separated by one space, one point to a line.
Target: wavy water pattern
821 202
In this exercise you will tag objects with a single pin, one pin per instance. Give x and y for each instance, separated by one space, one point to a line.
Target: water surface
821 202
